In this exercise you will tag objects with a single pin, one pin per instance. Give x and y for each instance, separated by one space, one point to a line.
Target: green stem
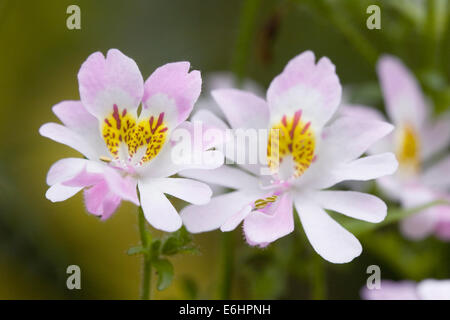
239 63
147 266
318 278
246 26
393 216
344 25
315 272
434 25
227 266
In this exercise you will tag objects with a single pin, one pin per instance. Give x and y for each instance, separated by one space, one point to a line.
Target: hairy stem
147 267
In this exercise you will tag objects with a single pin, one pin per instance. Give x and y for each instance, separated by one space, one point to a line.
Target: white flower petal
324 174
209 118
402 94
242 109
65 169
158 210
357 205
59 192
431 289
224 176
236 219
215 213
438 175
328 238
347 138
185 189
64 135
361 112
436 136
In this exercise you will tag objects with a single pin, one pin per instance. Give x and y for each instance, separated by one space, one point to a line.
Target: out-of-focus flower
123 150
416 140
312 157
429 289
206 105
221 80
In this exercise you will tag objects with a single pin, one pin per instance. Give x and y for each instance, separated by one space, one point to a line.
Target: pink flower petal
242 109
442 228
100 200
307 86
123 186
391 290
436 136
172 89
65 169
75 116
261 228
437 176
402 94
421 224
105 82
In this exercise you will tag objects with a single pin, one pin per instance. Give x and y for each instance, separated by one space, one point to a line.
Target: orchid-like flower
429 289
310 156
416 140
221 80
122 150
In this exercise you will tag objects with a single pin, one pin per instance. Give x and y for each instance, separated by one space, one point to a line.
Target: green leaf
135 250
165 273
155 249
177 242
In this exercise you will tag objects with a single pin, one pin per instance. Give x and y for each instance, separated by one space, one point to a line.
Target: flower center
144 138
408 149
291 146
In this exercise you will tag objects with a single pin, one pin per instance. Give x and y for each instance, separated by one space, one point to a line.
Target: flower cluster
128 131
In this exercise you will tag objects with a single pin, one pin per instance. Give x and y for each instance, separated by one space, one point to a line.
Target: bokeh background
39 61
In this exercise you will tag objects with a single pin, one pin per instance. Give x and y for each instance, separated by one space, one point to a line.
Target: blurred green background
39 61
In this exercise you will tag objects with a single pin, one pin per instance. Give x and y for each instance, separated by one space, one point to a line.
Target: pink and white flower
429 289
416 140
124 151
313 156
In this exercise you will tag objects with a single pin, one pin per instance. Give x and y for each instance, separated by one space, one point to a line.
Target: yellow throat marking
121 127
295 138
